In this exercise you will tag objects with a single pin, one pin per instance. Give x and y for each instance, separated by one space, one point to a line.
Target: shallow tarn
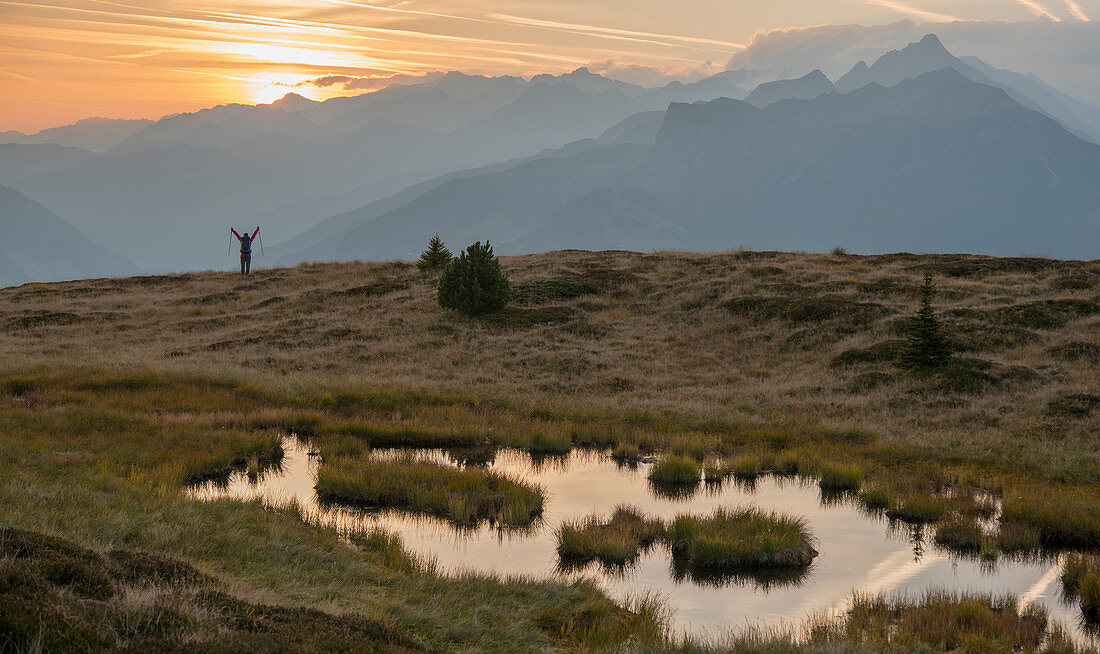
858 551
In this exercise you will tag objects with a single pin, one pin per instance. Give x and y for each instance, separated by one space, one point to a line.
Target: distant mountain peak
931 40
807 87
924 56
293 101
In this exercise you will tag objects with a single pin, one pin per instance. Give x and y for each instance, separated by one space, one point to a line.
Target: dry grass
660 336
770 361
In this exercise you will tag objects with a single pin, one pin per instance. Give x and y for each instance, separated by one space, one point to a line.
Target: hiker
246 249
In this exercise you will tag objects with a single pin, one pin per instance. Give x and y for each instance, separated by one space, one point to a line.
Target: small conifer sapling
436 257
928 347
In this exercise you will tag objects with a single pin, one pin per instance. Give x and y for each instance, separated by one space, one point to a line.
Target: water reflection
859 550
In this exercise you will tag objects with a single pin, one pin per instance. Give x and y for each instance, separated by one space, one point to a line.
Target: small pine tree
928 347
474 283
435 257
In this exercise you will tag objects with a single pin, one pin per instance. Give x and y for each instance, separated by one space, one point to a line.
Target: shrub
436 257
928 347
474 283
551 290
741 538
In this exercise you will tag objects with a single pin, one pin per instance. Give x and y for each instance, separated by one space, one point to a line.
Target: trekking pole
230 253
260 235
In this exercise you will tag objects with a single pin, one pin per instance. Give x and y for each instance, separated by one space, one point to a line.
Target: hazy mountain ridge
936 163
187 178
94 134
38 245
929 55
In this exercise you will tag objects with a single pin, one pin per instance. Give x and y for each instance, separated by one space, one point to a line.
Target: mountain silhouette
935 163
170 190
930 55
806 87
39 246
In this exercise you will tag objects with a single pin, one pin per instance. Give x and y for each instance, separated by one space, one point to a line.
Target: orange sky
62 61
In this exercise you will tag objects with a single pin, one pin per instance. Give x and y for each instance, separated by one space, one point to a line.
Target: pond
859 551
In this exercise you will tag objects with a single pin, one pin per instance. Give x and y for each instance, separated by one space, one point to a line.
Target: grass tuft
840 477
614 542
743 538
463 496
673 469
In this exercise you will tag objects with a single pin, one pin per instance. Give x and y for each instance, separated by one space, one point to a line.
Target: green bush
474 283
436 257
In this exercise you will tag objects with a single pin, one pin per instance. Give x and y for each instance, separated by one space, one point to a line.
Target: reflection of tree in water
674 492
761 578
916 539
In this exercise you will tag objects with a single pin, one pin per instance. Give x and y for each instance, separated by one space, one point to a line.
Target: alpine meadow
599 327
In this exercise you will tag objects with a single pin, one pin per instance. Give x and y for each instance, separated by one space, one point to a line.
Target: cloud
1065 54
1077 10
651 76
369 82
1039 10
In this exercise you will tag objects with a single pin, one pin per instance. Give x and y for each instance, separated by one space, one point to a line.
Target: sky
65 60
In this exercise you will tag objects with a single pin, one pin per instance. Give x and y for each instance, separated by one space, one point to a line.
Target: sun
266 88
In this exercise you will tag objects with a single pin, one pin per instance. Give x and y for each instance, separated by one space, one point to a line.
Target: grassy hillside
113 393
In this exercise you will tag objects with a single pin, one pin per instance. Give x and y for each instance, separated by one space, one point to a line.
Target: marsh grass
461 495
746 468
1081 580
1066 517
613 542
743 538
945 621
672 469
835 477
919 508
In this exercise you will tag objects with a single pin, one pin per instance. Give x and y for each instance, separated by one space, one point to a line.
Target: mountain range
919 150
168 192
936 163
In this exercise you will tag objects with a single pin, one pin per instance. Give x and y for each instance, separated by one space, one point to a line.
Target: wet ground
858 551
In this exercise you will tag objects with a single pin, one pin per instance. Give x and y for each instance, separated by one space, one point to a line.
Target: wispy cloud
608 32
913 12
1040 10
1078 11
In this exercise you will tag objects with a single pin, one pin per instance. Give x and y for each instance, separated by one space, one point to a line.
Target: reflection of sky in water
857 551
